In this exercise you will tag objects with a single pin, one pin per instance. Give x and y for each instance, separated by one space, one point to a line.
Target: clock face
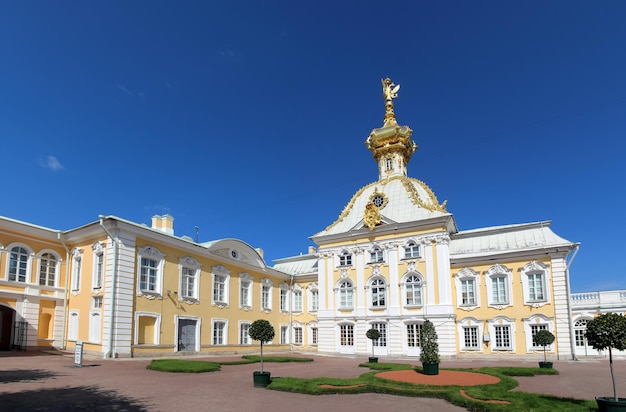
378 200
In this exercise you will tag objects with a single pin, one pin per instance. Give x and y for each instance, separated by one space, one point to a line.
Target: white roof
504 239
408 200
297 265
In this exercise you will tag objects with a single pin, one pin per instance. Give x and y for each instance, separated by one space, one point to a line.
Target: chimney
312 250
163 223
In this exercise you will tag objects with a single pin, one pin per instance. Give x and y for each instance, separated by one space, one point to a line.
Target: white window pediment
535 281
499 286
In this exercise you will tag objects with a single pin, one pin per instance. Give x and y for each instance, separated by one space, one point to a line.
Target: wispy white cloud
51 163
124 89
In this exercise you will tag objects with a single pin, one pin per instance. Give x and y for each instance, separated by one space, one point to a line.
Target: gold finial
390 92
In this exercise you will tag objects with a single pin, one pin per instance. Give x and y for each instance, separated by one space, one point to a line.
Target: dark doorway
7 316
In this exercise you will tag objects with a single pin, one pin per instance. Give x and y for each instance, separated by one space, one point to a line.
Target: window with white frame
533 332
219 332
244 335
389 164
221 281
412 290
150 262
378 289
96 302
467 286
412 250
534 282
98 265
77 269
376 255
297 335
189 275
19 263
283 300
346 335
346 293
47 269
313 334
499 285
502 337
245 291
345 258
382 329
470 337
314 298
413 333
297 299
284 333
580 327
266 294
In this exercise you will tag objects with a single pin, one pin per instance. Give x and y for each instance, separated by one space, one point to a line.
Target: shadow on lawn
80 398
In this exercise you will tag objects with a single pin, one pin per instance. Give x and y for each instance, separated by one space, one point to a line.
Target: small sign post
78 354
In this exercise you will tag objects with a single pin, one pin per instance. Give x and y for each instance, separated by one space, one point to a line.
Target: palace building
393 259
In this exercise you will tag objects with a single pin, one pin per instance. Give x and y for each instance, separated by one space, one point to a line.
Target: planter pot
430 368
261 379
545 365
609 404
373 359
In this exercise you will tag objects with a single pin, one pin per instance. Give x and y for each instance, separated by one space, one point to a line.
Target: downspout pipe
291 315
109 353
572 341
66 289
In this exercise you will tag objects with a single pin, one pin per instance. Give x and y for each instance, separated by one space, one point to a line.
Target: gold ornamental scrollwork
371 216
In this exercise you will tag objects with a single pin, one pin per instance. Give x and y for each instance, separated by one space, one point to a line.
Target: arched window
379 292
376 255
580 327
345 258
413 291
18 264
346 292
411 250
47 269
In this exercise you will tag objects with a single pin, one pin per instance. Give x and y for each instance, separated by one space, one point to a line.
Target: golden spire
390 92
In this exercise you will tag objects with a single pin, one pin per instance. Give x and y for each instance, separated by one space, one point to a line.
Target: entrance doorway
187 334
7 317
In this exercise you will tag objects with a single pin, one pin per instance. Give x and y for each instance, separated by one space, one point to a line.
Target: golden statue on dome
390 92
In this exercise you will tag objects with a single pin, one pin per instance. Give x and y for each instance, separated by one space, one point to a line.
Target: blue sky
247 119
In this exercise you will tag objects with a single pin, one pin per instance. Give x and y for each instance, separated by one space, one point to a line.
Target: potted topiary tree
544 338
262 331
430 349
608 331
373 334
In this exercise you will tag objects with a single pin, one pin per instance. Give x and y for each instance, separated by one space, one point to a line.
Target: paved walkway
52 383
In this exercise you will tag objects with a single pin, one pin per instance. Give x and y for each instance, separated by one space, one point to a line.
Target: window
379 290
413 332
376 255
498 290
297 301
283 300
502 337
314 335
470 337
498 280
47 269
413 290
283 335
389 163
533 330
346 292
77 268
382 329
189 274
314 300
244 336
245 291
98 265
345 258
96 302
580 327
346 335
150 262
18 264
534 281
297 335
411 250
221 278
266 294
468 296
219 329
